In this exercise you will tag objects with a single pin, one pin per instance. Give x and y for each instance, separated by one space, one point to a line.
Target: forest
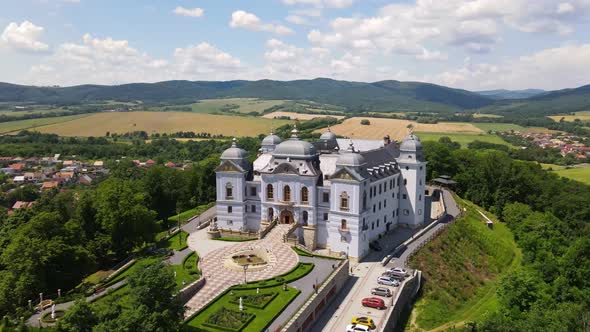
549 217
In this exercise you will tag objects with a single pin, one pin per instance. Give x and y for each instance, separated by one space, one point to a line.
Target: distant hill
384 96
547 103
511 94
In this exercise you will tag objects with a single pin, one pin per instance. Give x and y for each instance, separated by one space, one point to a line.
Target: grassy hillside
461 269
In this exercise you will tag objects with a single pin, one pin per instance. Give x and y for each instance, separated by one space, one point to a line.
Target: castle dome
328 136
295 148
411 143
234 152
271 139
351 158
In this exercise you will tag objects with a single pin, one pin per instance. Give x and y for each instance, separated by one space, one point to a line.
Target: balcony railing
344 230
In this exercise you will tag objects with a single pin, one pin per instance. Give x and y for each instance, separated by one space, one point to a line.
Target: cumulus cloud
24 37
249 21
111 61
191 12
525 71
321 3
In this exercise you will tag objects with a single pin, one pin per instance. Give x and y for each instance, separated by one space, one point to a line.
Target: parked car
392 275
357 328
364 321
381 291
398 271
375 246
388 281
374 302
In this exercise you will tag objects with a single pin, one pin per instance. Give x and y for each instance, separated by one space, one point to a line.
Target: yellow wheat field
396 129
298 116
162 122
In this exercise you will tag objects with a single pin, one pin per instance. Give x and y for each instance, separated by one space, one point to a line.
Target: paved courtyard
219 278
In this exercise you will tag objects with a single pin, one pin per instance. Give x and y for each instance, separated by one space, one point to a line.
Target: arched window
344 201
271 213
229 190
305 218
286 194
304 195
270 192
343 224
405 182
365 200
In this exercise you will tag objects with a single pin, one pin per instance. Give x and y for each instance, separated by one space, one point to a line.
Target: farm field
161 122
396 129
483 115
14 126
581 174
584 116
11 113
298 116
242 105
498 126
463 139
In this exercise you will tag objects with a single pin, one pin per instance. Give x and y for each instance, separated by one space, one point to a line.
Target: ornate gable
345 174
285 168
228 166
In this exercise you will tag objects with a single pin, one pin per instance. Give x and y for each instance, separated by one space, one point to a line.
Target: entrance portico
286 217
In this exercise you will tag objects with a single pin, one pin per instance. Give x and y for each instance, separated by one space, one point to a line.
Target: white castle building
343 193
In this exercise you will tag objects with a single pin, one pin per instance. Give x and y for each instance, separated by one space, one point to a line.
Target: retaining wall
189 291
404 297
317 302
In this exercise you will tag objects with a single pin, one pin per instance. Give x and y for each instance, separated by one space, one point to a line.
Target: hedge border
223 328
274 295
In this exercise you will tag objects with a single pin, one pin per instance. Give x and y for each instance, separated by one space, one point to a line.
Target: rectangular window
325 217
406 212
246 208
372 225
230 222
343 224
228 193
229 209
373 208
379 206
253 208
379 188
404 196
252 191
377 223
326 197
344 203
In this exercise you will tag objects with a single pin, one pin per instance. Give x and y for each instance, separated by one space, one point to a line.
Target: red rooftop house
169 164
19 167
150 162
50 185
21 205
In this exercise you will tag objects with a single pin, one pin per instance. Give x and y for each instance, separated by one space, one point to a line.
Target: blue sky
471 44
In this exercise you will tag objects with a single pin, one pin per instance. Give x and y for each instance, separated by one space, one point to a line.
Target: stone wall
189 291
314 306
404 297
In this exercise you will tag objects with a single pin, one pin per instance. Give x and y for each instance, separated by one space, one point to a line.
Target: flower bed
229 320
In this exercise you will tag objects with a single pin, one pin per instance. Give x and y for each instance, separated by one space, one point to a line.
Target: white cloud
110 61
296 19
249 21
23 37
566 66
321 3
191 12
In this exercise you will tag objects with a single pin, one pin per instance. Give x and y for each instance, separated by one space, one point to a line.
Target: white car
397 271
387 281
357 328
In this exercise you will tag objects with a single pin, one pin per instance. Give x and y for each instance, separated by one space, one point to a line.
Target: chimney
386 140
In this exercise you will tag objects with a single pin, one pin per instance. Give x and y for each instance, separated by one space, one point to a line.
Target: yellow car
366 321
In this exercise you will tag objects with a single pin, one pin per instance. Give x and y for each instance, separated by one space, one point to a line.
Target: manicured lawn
234 239
463 139
183 271
186 215
262 317
301 252
176 242
271 300
138 264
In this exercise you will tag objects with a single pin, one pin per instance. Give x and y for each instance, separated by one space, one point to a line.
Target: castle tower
413 181
231 176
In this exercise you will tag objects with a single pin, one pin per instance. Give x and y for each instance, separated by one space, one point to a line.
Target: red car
374 302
